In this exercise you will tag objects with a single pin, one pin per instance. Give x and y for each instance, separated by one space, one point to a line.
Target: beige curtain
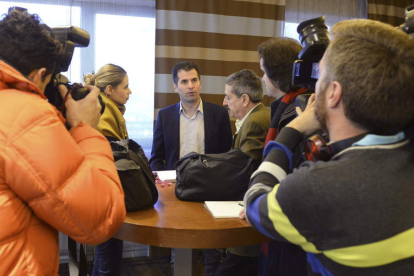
220 36
388 11
334 10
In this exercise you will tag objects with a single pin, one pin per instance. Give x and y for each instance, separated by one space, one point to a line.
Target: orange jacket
51 180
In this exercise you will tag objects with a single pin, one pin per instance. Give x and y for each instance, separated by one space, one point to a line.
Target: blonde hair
109 74
374 63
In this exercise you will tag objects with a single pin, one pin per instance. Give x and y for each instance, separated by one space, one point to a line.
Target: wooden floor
142 266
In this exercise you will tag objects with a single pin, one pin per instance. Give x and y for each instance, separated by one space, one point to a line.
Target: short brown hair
279 54
374 63
186 66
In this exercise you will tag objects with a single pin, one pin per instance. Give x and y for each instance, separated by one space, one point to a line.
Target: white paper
224 209
169 176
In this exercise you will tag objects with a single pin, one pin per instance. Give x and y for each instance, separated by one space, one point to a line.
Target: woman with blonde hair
136 176
112 81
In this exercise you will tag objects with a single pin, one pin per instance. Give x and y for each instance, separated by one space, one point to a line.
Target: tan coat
252 133
250 139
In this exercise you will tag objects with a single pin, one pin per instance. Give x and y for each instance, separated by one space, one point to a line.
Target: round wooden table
185 225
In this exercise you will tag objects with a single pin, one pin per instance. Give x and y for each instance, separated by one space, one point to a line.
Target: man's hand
306 122
86 110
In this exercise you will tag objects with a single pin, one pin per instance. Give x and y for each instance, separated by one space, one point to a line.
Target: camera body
408 26
70 37
314 37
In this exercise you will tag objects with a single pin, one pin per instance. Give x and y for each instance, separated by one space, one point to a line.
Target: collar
11 78
372 139
199 108
239 123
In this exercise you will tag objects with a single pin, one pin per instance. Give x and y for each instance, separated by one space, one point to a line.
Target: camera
314 37
70 37
408 26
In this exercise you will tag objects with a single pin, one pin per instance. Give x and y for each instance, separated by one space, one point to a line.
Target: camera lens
314 37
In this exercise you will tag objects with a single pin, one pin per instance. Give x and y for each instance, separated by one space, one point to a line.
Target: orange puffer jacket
51 180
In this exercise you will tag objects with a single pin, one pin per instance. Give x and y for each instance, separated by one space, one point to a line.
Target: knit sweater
353 215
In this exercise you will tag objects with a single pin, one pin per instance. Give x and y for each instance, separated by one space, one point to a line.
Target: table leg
185 262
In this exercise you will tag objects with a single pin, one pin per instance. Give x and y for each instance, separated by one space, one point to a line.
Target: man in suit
243 96
192 125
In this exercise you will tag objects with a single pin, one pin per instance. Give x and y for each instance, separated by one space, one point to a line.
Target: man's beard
320 110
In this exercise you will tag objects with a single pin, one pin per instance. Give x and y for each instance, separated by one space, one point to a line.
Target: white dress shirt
192 131
239 123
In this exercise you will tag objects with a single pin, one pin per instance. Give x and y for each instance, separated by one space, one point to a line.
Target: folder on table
224 209
169 176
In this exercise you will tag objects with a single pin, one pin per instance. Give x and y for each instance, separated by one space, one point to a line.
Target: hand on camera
306 122
86 110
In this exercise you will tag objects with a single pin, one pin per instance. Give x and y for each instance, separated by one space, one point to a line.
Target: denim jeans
108 258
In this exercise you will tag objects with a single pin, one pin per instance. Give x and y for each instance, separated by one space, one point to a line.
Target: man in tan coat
243 99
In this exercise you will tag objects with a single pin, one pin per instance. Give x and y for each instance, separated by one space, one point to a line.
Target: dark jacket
166 141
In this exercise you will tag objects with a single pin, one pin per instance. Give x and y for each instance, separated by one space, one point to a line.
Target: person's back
51 179
364 198
277 56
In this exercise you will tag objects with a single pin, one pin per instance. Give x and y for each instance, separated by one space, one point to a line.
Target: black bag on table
216 177
135 174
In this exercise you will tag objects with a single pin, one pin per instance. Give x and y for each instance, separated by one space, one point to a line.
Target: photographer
277 56
51 179
354 214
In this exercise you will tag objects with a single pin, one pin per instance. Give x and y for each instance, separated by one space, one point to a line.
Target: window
136 37
123 33
61 16
290 30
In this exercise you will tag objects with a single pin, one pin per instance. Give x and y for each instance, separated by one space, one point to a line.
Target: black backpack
216 177
135 174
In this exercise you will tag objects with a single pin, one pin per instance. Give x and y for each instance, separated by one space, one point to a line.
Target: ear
246 100
109 90
175 87
36 76
334 97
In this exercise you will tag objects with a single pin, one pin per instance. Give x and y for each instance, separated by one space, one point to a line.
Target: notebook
168 176
224 209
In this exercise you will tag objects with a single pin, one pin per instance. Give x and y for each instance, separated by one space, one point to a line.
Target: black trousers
235 265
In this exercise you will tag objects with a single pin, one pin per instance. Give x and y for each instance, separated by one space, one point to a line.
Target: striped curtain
220 36
388 11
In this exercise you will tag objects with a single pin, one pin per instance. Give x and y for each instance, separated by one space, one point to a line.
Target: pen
241 204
